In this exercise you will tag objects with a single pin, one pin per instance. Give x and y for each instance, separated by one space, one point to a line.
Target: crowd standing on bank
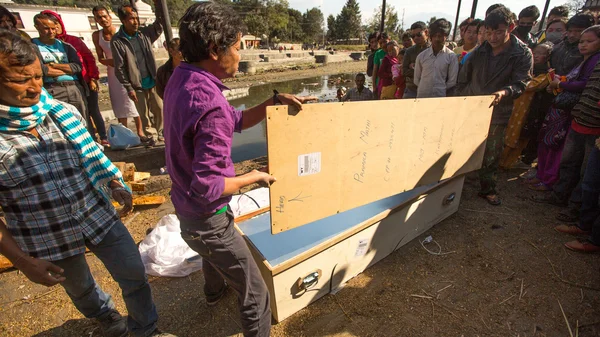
546 111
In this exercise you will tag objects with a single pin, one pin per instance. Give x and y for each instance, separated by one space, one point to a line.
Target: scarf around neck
96 165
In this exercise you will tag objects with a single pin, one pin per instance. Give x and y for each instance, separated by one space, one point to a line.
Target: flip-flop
492 199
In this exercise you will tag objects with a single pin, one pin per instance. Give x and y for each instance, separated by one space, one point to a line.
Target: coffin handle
449 199
309 281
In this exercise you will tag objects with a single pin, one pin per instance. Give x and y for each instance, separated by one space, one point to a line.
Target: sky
422 10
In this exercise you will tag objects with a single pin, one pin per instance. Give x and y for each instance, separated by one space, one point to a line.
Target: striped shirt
52 210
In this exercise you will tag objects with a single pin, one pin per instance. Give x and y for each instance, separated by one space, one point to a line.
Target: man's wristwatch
275 98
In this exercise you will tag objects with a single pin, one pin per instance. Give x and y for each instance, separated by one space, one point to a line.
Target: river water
252 143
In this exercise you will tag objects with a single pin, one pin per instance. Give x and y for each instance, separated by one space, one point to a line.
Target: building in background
78 21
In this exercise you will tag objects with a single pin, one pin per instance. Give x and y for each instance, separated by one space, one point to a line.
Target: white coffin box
305 263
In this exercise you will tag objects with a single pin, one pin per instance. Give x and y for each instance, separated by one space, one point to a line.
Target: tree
431 20
575 6
349 21
312 25
294 28
391 22
331 29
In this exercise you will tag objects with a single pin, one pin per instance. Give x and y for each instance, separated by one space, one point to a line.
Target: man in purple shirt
198 127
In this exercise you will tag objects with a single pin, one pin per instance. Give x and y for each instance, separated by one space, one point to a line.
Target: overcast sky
419 9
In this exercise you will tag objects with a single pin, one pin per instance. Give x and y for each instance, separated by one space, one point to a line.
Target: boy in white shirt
436 68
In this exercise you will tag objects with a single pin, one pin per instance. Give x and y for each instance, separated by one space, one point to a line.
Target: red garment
385 70
88 61
401 85
584 129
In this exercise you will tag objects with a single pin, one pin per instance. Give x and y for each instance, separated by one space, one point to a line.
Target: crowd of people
546 113
72 75
56 183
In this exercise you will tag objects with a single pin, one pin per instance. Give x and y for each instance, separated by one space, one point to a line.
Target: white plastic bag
121 138
250 201
165 253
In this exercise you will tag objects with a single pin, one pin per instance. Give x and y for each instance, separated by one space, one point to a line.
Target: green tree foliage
331 28
348 22
431 20
391 25
312 25
294 31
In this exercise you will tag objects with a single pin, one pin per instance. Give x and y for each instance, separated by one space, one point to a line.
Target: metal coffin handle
449 199
309 281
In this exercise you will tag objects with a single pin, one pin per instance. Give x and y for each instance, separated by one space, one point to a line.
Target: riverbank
279 74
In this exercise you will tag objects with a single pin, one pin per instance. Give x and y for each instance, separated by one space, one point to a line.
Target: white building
78 21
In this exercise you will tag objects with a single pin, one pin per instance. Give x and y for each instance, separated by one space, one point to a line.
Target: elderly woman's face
229 60
20 86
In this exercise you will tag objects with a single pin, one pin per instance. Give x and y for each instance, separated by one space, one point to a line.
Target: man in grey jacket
502 67
135 66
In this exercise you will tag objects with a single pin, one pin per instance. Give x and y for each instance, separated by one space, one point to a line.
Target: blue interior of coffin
281 247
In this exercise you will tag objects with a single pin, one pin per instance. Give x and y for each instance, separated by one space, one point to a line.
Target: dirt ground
508 275
282 74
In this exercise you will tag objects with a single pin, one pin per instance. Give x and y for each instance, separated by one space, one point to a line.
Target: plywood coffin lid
329 158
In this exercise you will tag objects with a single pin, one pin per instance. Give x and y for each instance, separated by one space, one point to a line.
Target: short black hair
580 21
418 25
13 44
174 43
384 35
121 11
5 12
374 35
530 12
442 26
476 23
406 35
491 8
44 16
562 11
499 16
206 25
465 23
360 75
99 8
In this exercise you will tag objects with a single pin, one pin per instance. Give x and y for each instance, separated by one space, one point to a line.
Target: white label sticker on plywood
309 164
363 247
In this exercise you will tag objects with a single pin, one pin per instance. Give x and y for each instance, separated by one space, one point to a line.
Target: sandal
540 187
531 181
567 216
492 199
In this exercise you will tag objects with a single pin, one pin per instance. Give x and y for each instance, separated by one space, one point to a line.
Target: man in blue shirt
60 64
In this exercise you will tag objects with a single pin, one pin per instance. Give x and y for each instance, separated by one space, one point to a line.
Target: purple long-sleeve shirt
198 129
579 83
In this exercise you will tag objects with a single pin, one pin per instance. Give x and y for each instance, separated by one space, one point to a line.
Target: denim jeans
572 166
119 254
589 217
226 257
409 93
